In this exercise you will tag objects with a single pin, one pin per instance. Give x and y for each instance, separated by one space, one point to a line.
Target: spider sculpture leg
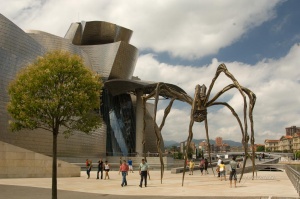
252 98
208 146
244 137
190 137
162 88
242 90
198 114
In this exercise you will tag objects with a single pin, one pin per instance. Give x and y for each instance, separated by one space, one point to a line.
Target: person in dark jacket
100 169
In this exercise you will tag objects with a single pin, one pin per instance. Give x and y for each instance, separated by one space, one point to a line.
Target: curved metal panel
18 49
97 32
115 60
52 42
119 86
124 63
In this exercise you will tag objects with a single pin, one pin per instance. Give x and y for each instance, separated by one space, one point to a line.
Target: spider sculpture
199 105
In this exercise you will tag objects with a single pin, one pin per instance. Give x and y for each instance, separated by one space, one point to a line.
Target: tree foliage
55 91
297 155
189 152
260 148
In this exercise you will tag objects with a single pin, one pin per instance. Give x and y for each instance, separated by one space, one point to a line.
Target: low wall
16 162
114 162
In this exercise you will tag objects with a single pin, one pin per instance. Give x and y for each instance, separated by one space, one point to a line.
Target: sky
183 42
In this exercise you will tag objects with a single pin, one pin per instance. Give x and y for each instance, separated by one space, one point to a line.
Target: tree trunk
54 166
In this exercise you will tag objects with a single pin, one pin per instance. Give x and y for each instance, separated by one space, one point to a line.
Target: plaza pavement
266 185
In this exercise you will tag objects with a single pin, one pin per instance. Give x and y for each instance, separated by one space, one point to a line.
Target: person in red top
88 164
124 169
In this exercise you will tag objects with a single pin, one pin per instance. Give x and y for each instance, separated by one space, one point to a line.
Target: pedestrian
222 171
124 169
89 166
106 169
238 165
205 166
218 166
233 165
121 161
100 169
201 165
143 170
130 165
191 166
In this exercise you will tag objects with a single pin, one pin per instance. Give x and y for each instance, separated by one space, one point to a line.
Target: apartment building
290 142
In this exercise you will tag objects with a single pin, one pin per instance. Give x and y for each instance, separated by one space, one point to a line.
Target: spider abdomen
200 115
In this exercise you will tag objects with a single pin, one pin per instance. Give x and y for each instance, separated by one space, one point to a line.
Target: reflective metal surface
104 47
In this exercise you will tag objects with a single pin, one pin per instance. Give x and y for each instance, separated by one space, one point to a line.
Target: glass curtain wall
118 114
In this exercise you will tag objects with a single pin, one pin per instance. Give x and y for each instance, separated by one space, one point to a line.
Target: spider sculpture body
199 105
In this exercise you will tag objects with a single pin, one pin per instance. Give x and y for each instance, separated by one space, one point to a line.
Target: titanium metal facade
105 48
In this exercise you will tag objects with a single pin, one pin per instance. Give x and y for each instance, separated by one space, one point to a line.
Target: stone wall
16 162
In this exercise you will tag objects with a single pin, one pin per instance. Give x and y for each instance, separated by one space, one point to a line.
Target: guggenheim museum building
105 47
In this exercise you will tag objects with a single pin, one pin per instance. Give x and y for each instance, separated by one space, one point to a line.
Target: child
106 169
192 165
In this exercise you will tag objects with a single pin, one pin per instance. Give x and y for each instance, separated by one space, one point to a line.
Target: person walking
191 166
130 165
238 164
205 166
218 166
100 168
89 166
124 169
233 165
201 165
106 169
143 170
222 171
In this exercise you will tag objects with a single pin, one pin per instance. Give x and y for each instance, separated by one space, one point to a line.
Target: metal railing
294 177
148 154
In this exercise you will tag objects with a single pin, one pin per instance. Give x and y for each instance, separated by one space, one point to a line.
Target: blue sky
260 42
183 42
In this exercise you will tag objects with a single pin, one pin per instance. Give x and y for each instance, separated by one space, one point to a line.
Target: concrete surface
266 185
17 162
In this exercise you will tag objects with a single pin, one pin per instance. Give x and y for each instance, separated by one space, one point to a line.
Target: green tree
190 152
260 149
297 155
56 93
178 155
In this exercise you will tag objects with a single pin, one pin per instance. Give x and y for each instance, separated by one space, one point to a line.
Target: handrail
294 177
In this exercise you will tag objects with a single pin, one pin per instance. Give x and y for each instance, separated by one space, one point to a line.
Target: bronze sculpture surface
199 105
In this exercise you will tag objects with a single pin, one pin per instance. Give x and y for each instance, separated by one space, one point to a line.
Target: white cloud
187 30
275 83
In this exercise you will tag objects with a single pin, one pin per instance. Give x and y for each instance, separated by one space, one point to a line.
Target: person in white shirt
219 162
143 170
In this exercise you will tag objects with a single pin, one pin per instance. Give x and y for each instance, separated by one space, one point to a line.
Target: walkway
267 185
